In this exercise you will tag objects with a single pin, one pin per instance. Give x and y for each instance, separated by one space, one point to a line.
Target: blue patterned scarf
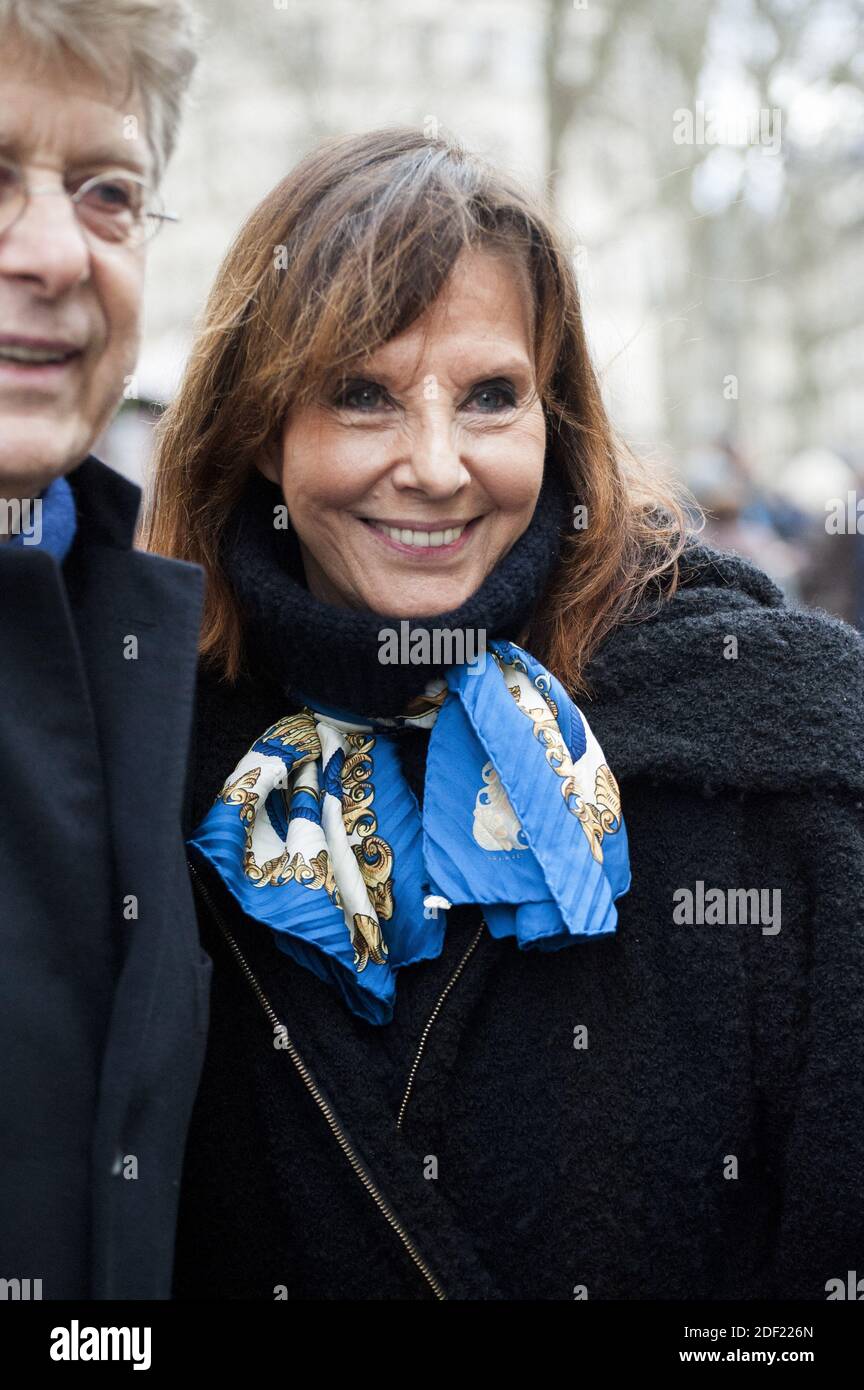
317 835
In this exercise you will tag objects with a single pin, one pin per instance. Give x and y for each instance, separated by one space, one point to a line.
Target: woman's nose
433 461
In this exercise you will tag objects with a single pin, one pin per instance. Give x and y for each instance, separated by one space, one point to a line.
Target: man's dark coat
103 985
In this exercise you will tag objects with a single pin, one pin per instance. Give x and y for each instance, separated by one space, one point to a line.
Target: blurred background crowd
708 159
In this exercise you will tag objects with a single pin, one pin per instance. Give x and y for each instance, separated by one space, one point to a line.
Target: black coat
102 1012
708 1142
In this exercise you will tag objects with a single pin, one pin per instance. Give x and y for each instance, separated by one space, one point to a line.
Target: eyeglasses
117 207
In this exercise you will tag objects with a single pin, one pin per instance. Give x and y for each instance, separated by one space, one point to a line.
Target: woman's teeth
422 539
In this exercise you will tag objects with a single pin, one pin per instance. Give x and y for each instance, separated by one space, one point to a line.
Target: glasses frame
150 224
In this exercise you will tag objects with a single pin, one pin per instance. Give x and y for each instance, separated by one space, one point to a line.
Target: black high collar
332 655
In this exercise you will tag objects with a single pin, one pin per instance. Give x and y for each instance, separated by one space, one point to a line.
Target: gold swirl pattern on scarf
373 854
372 945
285 867
598 818
603 815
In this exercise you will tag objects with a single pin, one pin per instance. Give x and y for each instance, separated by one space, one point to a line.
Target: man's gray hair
152 43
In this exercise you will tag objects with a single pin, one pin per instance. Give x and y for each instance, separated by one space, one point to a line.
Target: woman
450 1054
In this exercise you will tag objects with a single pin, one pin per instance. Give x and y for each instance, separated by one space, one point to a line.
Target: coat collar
106 504
728 686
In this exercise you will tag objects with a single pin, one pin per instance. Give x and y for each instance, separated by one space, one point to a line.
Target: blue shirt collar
53 521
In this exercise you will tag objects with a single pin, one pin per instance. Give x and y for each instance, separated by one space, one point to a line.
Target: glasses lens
112 208
11 194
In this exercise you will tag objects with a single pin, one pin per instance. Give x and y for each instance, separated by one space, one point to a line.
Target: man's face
61 289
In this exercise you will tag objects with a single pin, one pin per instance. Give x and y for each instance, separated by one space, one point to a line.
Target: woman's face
410 482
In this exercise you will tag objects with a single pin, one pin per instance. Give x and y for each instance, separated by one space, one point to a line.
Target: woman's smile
431 540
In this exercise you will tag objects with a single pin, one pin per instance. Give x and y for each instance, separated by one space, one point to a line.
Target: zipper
431 1019
320 1100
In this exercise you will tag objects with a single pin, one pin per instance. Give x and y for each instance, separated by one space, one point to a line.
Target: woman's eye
493 396
361 395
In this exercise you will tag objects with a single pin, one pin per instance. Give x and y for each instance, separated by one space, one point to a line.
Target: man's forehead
71 118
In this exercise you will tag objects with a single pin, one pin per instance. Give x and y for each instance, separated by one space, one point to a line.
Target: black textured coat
103 1010
708 1142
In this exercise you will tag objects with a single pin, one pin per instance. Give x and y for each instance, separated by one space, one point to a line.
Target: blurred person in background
820 484
740 519
450 1054
103 986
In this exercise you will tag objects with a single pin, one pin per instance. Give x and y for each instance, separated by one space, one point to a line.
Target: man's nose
46 244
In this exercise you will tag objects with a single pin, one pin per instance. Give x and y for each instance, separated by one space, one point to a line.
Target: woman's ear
269 461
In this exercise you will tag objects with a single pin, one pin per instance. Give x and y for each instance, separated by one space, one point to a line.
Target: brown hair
343 255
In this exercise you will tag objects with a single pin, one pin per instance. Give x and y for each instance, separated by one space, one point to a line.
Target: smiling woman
413 874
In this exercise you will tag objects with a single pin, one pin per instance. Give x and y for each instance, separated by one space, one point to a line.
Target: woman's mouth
423 541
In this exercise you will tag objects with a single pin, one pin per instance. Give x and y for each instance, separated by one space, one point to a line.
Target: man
103 987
